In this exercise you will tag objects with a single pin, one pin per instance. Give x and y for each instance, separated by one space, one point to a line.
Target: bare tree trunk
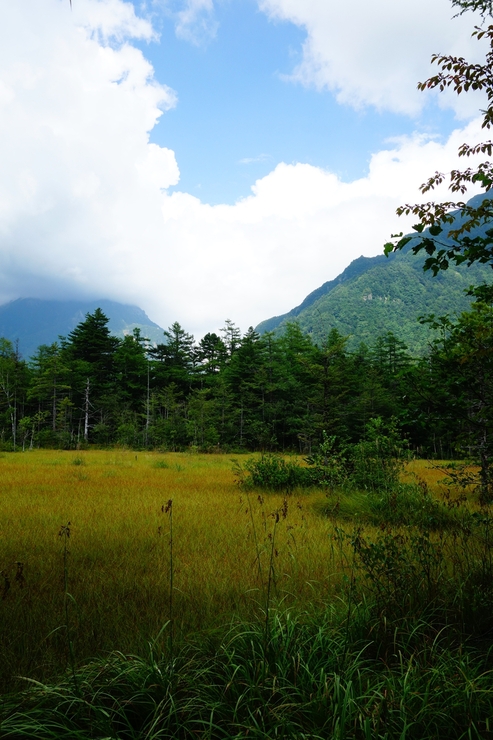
147 408
86 412
54 404
13 416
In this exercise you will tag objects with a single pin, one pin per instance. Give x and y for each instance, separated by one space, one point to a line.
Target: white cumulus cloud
79 182
300 227
194 20
374 53
84 209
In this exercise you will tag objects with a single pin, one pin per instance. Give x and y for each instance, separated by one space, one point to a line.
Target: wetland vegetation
148 595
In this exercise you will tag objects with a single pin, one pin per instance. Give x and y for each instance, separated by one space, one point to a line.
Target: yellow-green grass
118 564
119 552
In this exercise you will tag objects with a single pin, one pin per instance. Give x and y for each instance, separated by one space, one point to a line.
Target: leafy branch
459 244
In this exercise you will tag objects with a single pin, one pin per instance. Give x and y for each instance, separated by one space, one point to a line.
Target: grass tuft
161 465
79 461
317 686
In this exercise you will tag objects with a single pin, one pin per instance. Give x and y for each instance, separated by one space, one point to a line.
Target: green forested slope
380 295
376 295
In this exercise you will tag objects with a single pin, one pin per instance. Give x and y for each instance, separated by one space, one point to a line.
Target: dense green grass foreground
306 680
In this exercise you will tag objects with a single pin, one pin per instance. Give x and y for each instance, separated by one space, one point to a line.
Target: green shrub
329 466
408 577
273 473
404 572
409 505
378 459
374 464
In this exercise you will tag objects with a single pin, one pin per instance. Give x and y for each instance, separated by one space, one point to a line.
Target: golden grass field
119 551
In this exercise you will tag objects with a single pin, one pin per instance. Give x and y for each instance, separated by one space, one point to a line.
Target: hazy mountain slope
32 321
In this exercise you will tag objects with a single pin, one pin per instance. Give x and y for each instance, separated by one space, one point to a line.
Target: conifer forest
248 392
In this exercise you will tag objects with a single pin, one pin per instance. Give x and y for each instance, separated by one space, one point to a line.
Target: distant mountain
32 321
375 295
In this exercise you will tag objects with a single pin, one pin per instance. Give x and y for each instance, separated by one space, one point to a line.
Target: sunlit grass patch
118 564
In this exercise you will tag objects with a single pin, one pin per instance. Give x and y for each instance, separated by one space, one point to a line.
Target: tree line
250 392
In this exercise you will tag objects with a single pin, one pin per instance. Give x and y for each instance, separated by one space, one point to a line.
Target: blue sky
213 159
238 114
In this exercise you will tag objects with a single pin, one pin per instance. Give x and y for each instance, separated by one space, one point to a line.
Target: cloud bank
84 210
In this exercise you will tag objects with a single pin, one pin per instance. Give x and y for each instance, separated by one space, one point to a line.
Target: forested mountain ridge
374 295
33 321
